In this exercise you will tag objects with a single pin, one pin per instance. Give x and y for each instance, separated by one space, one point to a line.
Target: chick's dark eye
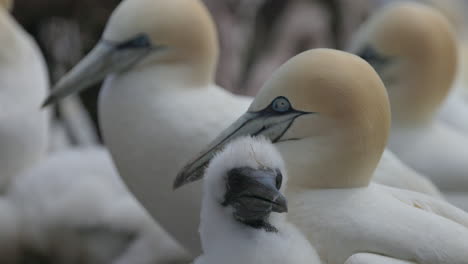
281 104
279 179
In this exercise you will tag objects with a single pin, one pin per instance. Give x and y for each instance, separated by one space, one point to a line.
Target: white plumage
73 208
23 86
225 239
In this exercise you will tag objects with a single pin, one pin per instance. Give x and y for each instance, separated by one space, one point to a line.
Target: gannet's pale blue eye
281 104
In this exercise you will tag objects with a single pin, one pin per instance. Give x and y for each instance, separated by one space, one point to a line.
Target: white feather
74 209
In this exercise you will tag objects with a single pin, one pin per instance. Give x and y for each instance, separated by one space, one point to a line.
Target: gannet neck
418 52
188 44
341 144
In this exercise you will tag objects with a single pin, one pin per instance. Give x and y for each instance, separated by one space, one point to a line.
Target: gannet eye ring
281 104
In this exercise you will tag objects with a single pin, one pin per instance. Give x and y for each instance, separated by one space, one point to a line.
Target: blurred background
256 36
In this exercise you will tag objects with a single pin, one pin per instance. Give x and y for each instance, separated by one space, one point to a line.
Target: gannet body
242 216
391 171
454 111
74 208
413 49
378 222
329 116
23 86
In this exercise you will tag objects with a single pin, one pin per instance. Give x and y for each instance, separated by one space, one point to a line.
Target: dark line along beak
106 58
254 193
267 123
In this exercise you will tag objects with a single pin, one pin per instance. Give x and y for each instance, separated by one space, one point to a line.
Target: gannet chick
158 105
328 114
413 49
74 208
23 85
243 209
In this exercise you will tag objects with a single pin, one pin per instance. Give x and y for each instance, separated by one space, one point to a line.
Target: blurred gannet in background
413 49
455 12
243 209
158 106
74 208
328 114
454 110
23 86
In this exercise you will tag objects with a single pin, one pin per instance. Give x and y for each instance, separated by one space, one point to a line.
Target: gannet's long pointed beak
106 58
267 123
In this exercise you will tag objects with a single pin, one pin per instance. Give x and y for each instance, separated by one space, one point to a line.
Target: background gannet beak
106 58
265 123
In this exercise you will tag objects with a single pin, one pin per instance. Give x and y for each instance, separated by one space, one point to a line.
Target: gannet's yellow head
176 37
413 48
7 4
182 29
329 115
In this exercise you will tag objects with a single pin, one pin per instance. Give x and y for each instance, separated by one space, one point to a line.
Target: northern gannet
243 210
328 114
158 105
23 86
413 48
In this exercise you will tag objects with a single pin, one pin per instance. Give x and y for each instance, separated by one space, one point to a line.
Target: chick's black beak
254 193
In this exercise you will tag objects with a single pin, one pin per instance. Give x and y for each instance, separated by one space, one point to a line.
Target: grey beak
254 193
106 58
267 123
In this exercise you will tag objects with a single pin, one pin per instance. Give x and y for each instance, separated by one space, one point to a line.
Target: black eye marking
374 58
279 179
140 41
281 104
380 63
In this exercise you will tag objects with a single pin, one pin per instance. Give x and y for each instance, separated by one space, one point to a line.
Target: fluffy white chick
243 216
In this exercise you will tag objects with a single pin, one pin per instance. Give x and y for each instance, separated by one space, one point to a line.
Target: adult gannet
413 49
328 114
243 209
23 85
454 110
74 208
158 106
